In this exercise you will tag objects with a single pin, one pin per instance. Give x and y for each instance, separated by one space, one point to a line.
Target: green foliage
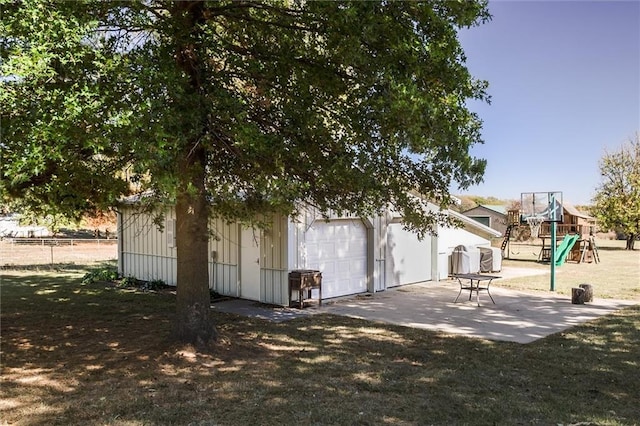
107 273
617 200
343 105
153 285
57 156
136 284
129 282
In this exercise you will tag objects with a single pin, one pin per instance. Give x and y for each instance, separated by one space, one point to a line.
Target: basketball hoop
534 223
539 207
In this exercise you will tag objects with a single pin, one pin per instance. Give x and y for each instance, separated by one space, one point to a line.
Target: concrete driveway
516 317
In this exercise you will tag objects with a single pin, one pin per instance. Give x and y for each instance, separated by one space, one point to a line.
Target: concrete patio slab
516 317
521 317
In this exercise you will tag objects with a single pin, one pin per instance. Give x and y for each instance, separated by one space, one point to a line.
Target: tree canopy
234 108
617 199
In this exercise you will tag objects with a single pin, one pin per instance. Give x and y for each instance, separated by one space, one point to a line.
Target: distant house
493 216
10 228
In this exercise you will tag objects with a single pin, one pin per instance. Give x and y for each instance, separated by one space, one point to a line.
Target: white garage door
339 250
408 260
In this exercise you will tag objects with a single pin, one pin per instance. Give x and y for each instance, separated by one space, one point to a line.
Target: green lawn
89 354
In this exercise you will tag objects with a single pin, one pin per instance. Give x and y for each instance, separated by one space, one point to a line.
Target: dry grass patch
76 354
616 276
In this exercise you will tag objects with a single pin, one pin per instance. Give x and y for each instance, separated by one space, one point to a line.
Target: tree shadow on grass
91 354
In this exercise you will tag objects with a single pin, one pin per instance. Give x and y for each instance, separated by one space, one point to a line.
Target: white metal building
355 255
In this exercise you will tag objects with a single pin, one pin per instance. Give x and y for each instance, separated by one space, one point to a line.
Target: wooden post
588 292
577 296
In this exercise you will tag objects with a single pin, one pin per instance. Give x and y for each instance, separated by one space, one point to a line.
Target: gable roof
474 223
575 212
493 208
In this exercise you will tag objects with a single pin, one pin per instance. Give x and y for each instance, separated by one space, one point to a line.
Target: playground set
543 213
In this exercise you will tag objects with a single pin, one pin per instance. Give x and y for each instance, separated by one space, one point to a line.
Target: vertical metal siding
145 252
274 263
223 258
120 242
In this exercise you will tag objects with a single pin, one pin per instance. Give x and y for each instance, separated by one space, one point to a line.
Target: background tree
237 108
616 204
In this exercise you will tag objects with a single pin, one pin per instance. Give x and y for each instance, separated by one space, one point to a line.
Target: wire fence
25 252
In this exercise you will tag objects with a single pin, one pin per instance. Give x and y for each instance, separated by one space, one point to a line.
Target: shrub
129 282
107 273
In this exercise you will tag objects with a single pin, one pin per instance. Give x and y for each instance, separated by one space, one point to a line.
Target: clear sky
564 78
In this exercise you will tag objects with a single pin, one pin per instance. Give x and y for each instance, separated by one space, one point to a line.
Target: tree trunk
577 296
588 292
193 323
631 239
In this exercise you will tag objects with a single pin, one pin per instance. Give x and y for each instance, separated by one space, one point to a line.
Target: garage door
339 250
408 260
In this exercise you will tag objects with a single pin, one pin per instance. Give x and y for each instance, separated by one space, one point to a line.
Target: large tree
616 204
235 108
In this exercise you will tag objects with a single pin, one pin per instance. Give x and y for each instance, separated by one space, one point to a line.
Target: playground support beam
552 279
552 256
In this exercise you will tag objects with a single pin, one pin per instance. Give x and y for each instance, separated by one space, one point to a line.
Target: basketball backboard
547 205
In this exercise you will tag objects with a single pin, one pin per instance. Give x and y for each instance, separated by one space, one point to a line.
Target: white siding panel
275 287
139 267
225 279
408 259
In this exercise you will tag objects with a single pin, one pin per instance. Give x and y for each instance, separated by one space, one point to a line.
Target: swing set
544 209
